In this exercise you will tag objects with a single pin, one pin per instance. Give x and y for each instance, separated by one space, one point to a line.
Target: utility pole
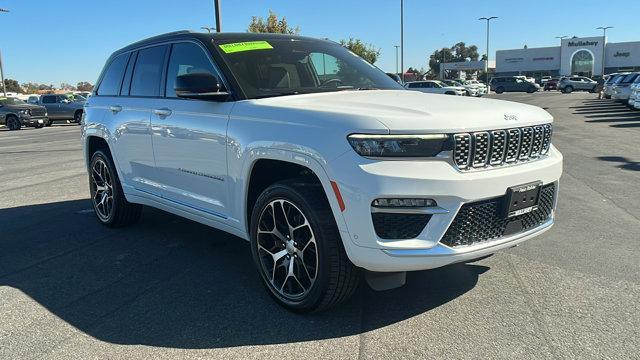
216 4
4 87
396 46
402 40
486 65
604 40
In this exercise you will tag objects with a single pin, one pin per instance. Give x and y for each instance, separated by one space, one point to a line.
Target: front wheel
568 90
297 248
109 203
77 117
499 90
13 123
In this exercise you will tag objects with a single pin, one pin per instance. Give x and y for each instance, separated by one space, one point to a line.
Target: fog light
403 203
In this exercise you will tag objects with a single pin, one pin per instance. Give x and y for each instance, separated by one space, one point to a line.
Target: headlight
25 112
399 145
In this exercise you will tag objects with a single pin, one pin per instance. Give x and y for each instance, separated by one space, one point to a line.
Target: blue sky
55 41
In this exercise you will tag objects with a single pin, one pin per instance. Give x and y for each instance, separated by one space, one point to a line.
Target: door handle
163 112
115 108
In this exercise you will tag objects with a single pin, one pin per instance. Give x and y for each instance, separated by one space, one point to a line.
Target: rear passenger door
129 101
189 138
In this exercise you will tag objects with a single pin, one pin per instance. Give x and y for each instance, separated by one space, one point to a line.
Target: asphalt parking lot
169 288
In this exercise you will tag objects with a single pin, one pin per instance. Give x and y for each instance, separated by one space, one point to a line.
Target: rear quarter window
112 79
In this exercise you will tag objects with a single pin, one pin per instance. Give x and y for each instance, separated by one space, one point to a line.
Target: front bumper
433 179
33 120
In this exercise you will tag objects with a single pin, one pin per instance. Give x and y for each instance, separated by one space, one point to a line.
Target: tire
109 203
39 126
499 90
77 117
531 90
567 89
48 123
12 122
449 93
335 279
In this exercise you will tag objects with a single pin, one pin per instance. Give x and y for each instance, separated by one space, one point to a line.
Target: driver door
190 138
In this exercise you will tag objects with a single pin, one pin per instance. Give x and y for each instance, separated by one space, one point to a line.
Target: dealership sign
582 43
622 54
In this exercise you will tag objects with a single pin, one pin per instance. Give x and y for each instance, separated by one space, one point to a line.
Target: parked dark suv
15 113
59 107
512 84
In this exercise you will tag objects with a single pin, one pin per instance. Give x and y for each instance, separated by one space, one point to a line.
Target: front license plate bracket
522 199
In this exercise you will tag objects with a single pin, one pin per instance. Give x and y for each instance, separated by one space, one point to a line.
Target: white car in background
481 88
470 90
634 96
435 87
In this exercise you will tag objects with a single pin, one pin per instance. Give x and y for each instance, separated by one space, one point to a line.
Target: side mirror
200 85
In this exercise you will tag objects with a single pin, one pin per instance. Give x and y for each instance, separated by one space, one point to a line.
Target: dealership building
575 56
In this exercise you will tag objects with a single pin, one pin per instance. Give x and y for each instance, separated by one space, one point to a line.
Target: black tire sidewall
117 191
12 123
499 90
287 192
77 117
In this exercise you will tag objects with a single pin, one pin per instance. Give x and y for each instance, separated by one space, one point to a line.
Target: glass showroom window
582 63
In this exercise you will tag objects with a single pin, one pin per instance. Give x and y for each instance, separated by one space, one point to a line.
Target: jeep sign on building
582 56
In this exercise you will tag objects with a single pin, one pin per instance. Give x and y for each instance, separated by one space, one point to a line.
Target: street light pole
216 4
4 87
604 39
208 28
402 40
561 37
486 64
396 46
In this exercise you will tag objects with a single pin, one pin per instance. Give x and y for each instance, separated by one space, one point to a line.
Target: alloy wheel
287 250
102 189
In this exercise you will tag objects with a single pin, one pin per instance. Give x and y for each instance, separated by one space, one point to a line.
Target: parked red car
551 84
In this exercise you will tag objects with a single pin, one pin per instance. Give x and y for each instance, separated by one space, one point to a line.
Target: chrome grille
536 146
514 145
525 144
462 150
546 139
480 149
497 147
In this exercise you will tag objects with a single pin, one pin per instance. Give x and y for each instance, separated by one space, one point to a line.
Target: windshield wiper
284 93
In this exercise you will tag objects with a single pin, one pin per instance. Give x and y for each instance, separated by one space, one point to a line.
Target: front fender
307 159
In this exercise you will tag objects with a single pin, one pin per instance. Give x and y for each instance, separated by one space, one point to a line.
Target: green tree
457 53
365 51
12 86
272 25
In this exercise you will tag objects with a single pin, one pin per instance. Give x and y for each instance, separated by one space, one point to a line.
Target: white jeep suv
329 168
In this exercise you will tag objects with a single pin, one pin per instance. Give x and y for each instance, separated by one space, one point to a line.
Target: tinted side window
110 84
147 73
186 58
51 99
413 85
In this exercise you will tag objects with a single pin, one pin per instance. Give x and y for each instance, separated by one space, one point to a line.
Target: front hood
403 111
24 106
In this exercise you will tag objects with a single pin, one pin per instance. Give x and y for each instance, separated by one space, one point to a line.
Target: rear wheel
109 203
567 89
499 90
297 248
13 123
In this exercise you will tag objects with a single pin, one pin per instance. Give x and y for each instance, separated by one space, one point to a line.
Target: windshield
290 66
11 101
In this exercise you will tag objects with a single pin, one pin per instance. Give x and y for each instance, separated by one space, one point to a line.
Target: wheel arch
295 165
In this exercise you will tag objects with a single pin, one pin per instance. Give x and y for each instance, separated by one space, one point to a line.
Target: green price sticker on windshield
245 46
